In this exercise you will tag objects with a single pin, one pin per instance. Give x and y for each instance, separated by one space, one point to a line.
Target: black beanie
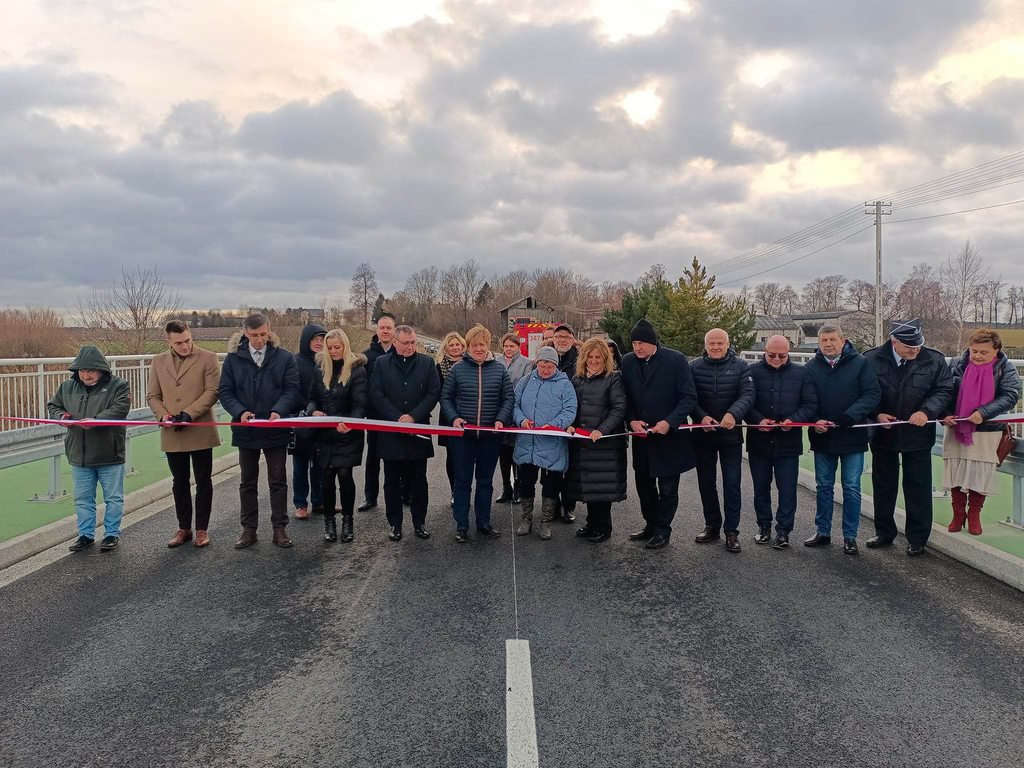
643 331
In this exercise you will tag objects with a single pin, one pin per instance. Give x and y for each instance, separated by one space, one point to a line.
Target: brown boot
975 501
959 510
281 538
202 539
183 535
247 539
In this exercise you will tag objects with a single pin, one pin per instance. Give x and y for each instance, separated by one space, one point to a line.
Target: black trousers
371 472
599 516
202 467
509 470
550 482
410 474
449 468
917 492
277 478
340 478
659 496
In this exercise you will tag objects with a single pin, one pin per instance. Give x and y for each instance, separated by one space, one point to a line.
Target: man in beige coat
183 385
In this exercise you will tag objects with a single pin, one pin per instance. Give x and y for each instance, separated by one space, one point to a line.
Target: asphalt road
383 654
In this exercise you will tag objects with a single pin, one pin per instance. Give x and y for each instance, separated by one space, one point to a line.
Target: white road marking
520 721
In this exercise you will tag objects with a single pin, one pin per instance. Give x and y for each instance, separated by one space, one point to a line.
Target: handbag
1007 445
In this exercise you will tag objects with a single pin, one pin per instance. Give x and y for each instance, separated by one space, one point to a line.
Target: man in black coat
404 387
659 397
306 478
725 393
916 387
783 394
259 380
381 344
847 391
564 339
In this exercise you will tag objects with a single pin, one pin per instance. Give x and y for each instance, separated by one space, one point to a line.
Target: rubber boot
975 501
526 519
346 528
959 510
547 508
330 528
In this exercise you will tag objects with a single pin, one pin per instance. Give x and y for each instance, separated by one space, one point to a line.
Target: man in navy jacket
659 397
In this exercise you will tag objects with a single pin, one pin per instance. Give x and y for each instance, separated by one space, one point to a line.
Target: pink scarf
977 388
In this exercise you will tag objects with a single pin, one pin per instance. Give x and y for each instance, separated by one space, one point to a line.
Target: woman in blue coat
545 398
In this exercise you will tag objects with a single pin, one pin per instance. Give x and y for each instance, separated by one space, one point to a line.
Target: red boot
959 510
974 504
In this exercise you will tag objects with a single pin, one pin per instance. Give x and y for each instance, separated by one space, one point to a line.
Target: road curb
1000 565
32 543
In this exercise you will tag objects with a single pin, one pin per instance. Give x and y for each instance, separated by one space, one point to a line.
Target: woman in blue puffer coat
545 398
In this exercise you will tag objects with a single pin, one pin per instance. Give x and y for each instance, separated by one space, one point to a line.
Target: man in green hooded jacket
96 454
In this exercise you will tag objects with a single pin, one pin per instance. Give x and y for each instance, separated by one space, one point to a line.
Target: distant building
802 329
528 308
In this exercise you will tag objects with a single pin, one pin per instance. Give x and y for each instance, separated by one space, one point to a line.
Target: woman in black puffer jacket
477 392
597 468
339 389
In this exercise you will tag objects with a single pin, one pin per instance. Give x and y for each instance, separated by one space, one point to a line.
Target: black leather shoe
877 542
505 498
732 542
108 543
817 540
84 542
515 497
913 550
395 533
708 534
781 541
488 530
567 516
596 537
462 536
330 529
850 547
367 505
764 536
657 541
641 535
585 531
421 532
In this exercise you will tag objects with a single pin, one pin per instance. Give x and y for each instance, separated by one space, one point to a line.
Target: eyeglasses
563 337
776 355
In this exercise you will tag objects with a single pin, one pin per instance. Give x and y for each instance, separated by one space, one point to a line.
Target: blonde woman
339 389
476 392
453 347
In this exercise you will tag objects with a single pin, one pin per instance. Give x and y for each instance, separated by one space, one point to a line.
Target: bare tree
767 298
123 317
460 285
363 290
1013 300
961 277
789 300
860 295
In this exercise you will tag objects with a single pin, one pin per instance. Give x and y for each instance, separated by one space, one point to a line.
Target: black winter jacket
1008 390
336 449
723 386
847 395
661 389
274 388
922 384
597 471
305 360
404 385
567 362
780 393
372 353
480 393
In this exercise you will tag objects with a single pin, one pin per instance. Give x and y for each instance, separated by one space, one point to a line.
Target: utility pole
876 209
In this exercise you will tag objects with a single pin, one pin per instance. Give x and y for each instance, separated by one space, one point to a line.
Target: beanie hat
547 353
643 331
908 332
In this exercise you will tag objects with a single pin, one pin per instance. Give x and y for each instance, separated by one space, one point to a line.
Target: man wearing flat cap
917 386
660 396
564 341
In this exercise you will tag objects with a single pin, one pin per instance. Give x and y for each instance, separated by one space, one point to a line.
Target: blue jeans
474 457
306 479
111 479
730 458
786 470
825 466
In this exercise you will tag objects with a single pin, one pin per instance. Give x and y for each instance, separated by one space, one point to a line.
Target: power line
954 213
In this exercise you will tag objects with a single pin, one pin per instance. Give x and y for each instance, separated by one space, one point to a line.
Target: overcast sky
257 150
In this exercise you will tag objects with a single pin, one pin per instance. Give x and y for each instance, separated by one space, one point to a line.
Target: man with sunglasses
783 394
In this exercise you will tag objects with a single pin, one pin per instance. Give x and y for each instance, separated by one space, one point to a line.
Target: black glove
181 418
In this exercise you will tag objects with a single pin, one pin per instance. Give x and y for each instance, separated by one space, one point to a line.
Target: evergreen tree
378 307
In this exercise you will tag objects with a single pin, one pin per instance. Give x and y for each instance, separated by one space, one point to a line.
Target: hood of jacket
239 342
90 358
468 358
308 333
847 352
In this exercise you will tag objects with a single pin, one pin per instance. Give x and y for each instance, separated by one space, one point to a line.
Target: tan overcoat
193 389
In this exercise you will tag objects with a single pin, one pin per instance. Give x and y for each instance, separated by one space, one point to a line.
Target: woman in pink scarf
987 385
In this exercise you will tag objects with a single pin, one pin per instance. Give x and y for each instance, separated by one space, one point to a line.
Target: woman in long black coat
453 346
339 389
597 468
